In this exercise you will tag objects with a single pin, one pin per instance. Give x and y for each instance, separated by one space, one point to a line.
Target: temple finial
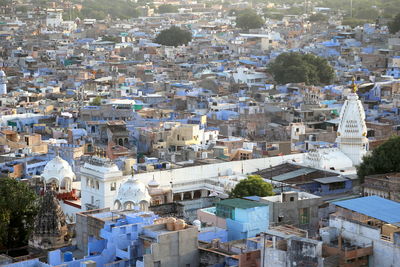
353 85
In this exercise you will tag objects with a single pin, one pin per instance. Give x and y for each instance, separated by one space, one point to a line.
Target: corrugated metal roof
373 206
293 174
332 179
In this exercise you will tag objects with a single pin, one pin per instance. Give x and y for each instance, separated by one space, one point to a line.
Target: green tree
383 159
110 38
96 101
296 68
18 208
394 25
248 19
167 8
254 185
174 36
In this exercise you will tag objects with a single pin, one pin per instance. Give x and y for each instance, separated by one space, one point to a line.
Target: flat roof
329 180
373 206
241 203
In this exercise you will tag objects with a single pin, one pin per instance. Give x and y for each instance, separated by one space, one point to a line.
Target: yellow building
184 135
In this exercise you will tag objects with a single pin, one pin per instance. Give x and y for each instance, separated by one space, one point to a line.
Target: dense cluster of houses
136 146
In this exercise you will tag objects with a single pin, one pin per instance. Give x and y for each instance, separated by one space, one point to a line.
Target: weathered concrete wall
302 253
175 248
290 212
214 170
275 258
385 253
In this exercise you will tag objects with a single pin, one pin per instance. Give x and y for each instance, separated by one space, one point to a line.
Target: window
113 186
157 264
304 215
291 199
337 186
280 218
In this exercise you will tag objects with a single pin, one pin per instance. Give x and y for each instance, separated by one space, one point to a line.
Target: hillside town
199 133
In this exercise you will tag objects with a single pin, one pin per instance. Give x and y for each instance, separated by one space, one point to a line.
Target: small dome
2 73
58 169
153 183
133 191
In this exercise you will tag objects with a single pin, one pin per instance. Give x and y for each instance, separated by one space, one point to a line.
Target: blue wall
323 189
248 223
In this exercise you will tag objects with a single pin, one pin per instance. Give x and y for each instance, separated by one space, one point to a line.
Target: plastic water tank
68 256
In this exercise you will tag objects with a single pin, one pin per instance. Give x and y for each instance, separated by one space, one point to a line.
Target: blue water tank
68 256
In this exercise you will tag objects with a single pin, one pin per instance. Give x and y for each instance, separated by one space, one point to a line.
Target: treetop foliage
394 25
18 208
174 36
96 101
254 185
248 19
383 159
295 67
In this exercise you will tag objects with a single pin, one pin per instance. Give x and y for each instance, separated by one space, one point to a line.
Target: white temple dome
2 73
133 193
328 158
59 171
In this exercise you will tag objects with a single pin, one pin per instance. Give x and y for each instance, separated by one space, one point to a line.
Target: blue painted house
328 186
244 218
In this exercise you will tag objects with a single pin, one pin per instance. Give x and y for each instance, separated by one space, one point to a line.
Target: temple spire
352 131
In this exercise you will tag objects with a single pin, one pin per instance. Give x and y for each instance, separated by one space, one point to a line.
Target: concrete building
294 208
290 248
108 237
383 185
54 17
241 253
242 218
164 245
370 221
339 251
99 183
